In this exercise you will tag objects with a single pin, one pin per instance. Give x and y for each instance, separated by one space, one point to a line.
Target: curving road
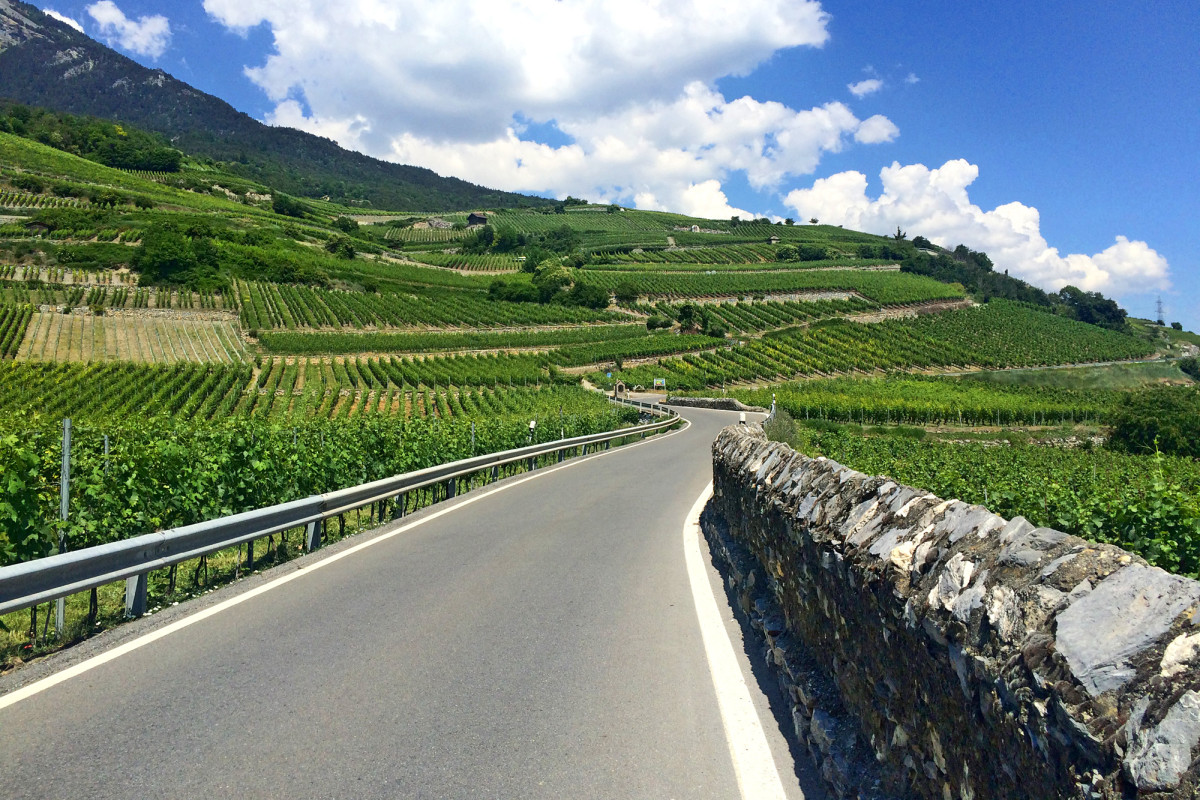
538 640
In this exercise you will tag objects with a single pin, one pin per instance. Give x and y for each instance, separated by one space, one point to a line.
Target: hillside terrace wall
976 657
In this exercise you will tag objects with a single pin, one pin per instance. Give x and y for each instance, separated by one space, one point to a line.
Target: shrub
1166 419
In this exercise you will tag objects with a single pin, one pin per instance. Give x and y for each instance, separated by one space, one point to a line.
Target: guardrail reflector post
135 594
312 535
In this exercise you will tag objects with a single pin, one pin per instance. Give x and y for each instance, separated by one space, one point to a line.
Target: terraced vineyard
441 386
154 339
980 336
267 306
390 342
916 400
882 287
751 317
14 320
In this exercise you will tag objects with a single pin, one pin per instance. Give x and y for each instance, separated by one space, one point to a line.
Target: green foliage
14 321
346 225
626 292
314 343
97 140
1092 308
287 205
586 296
1146 504
1190 366
980 336
167 256
932 401
166 473
340 246
1165 419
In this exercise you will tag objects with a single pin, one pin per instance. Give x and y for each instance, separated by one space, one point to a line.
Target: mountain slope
46 63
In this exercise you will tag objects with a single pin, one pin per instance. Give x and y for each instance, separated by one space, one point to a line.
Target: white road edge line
25 692
757 774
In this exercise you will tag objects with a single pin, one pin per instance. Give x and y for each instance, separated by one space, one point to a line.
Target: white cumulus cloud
865 87
147 36
454 86
64 19
934 203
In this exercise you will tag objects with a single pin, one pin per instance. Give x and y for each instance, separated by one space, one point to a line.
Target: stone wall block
963 654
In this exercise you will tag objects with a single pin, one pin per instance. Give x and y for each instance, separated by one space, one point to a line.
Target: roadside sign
660 383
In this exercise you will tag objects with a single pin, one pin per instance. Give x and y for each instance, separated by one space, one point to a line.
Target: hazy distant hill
46 63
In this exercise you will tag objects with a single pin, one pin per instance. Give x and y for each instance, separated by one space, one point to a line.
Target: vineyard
753 317
302 387
320 343
918 400
26 200
1145 504
14 320
139 475
981 336
883 287
425 235
99 297
265 306
74 337
469 263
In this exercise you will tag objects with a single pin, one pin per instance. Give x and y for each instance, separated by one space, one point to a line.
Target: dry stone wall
979 657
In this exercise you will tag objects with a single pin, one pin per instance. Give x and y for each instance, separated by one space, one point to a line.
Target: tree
587 295
626 291
922 242
813 221
164 256
286 205
346 225
900 235
1177 326
550 281
341 247
657 321
1162 418
1092 308
688 316
789 221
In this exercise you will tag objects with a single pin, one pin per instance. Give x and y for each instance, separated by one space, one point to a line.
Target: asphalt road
539 641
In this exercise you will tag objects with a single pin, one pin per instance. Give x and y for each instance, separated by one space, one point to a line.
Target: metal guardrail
32 582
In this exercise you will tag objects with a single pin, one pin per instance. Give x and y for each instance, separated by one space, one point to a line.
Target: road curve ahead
537 641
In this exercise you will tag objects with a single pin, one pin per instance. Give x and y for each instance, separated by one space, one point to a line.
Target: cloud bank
626 89
147 36
934 203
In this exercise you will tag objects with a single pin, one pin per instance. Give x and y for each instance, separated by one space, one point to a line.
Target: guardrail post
562 455
401 502
451 488
135 594
312 535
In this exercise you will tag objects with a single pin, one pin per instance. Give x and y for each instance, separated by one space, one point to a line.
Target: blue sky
1037 132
